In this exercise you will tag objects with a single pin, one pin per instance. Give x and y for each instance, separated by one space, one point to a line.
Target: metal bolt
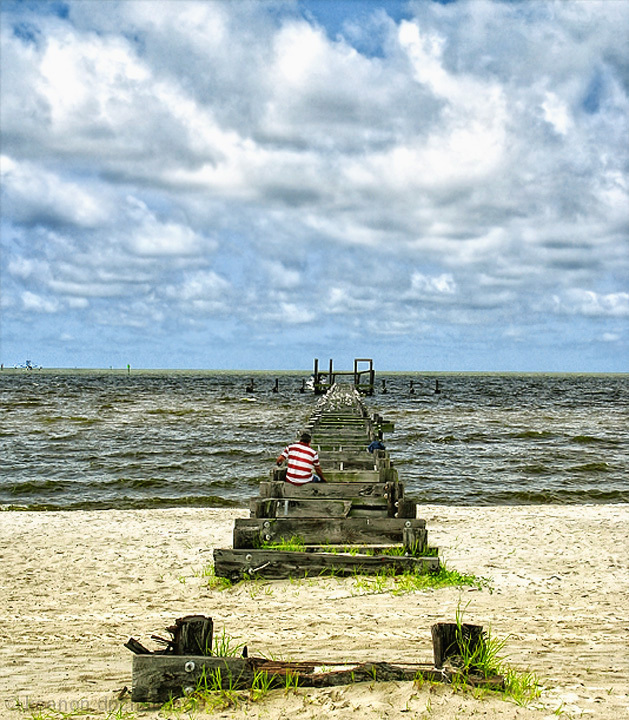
188 690
248 557
407 523
267 537
267 524
189 666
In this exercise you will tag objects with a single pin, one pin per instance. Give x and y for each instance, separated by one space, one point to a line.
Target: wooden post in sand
455 641
192 635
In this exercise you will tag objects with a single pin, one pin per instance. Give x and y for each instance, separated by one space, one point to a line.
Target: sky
439 186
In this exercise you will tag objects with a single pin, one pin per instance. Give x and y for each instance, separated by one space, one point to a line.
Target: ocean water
108 439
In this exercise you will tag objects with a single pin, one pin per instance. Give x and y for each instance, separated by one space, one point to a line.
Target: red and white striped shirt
301 459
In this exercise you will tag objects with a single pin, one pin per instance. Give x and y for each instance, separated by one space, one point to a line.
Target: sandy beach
74 586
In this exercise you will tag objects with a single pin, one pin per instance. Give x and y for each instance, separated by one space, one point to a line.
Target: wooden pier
363 377
359 522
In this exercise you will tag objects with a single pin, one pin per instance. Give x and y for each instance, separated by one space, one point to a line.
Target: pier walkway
359 522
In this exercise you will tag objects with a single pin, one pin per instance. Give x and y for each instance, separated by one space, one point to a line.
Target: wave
592 467
591 440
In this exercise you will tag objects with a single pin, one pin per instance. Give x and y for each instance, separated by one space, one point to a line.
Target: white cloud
188 161
32 302
154 237
34 196
282 277
425 286
590 303
556 113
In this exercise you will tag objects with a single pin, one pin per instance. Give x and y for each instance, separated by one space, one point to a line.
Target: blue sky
250 185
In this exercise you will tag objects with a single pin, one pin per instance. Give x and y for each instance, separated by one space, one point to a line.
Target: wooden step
278 564
351 476
315 508
354 491
253 532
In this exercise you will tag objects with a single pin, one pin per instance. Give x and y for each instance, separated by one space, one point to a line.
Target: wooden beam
251 532
159 678
273 507
278 564
344 490
192 635
351 476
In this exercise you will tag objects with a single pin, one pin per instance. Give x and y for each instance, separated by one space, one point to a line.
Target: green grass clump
226 646
293 544
415 581
485 659
213 581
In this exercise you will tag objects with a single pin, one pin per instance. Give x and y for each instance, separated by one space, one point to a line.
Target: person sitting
302 462
376 445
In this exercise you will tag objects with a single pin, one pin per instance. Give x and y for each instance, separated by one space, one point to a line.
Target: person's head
305 438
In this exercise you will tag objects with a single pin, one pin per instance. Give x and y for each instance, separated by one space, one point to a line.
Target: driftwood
157 679
136 647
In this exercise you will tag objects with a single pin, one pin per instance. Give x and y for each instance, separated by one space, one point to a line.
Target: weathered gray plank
339 476
158 678
342 490
277 564
406 509
360 461
251 532
274 507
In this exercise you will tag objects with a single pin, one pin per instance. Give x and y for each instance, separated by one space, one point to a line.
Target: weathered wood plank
251 532
158 678
277 564
273 507
349 476
359 461
352 438
414 540
344 490
192 635
406 509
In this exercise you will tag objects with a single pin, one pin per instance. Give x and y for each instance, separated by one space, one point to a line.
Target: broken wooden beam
162 675
160 678
191 635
